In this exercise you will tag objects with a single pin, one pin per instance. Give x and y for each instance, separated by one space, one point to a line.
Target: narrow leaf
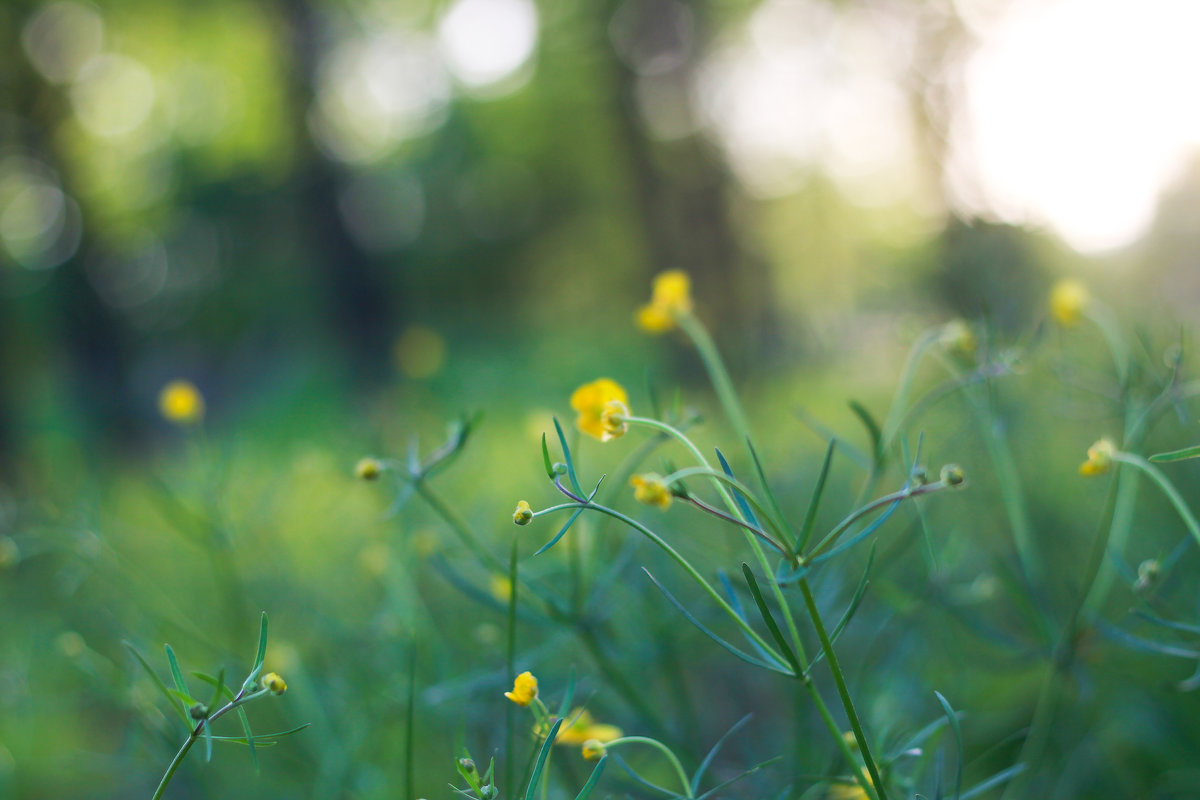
765 613
225 691
262 643
1137 643
737 496
1003 776
872 427
249 736
540 765
743 656
737 778
162 687
561 532
958 769
562 440
568 696
773 504
176 675
810 516
1177 455
586 791
713 752
546 459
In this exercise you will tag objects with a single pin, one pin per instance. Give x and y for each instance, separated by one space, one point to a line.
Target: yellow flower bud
1068 300
524 514
525 689
670 298
181 402
953 475
274 683
957 337
1099 458
368 469
593 750
651 490
612 422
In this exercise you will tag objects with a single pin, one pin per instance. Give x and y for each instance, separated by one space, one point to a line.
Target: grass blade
873 431
1000 777
586 791
810 516
765 613
176 675
713 752
737 778
953 717
162 687
737 496
1177 455
543 754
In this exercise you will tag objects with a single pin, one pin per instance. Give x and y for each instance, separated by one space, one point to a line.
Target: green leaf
561 531
241 712
737 496
713 752
958 769
208 738
1177 455
546 459
543 754
225 692
767 618
737 778
872 427
262 643
749 659
568 696
176 675
162 687
586 791
1003 776
810 516
562 440
773 504
848 614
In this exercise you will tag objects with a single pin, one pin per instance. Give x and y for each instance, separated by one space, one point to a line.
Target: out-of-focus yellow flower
671 297
850 791
957 337
420 352
368 469
181 402
524 689
70 644
500 588
598 403
651 490
1068 299
581 727
274 683
1099 458
523 514
593 749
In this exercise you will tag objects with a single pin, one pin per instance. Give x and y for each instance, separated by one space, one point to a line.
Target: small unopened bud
488 791
198 711
953 475
274 683
560 468
467 766
1148 572
593 750
524 514
368 469
919 476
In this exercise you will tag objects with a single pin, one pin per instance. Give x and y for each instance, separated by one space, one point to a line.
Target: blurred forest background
346 221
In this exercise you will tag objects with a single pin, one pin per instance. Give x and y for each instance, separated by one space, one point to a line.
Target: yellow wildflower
581 727
368 469
274 683
670 298
850 791
1099 458
651 490
524 689
1068 299
598 403
593 749
957 337
181 402
523 514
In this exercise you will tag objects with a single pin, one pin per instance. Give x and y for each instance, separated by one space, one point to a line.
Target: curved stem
175 762
1168 488
683 780
887 499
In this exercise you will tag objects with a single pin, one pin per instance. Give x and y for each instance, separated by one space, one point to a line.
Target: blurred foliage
346 238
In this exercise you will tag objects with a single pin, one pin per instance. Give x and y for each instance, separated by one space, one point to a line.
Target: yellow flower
598 403
850 791
524 689
593 749
275 684
670 298
1099 458
181 402
957 337
368 469
500 588
651 490
1068 300
523 514
581 727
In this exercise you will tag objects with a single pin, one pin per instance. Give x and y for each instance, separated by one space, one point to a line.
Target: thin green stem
683 779
717 374
175 762
459 526
902 494
840 680
1167 487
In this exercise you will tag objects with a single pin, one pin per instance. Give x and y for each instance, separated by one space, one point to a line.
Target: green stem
839 679
183 751
459 526
887 499
717 374
683 780
1168 488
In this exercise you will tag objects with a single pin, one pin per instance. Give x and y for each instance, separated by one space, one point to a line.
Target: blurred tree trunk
360 305
684 210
